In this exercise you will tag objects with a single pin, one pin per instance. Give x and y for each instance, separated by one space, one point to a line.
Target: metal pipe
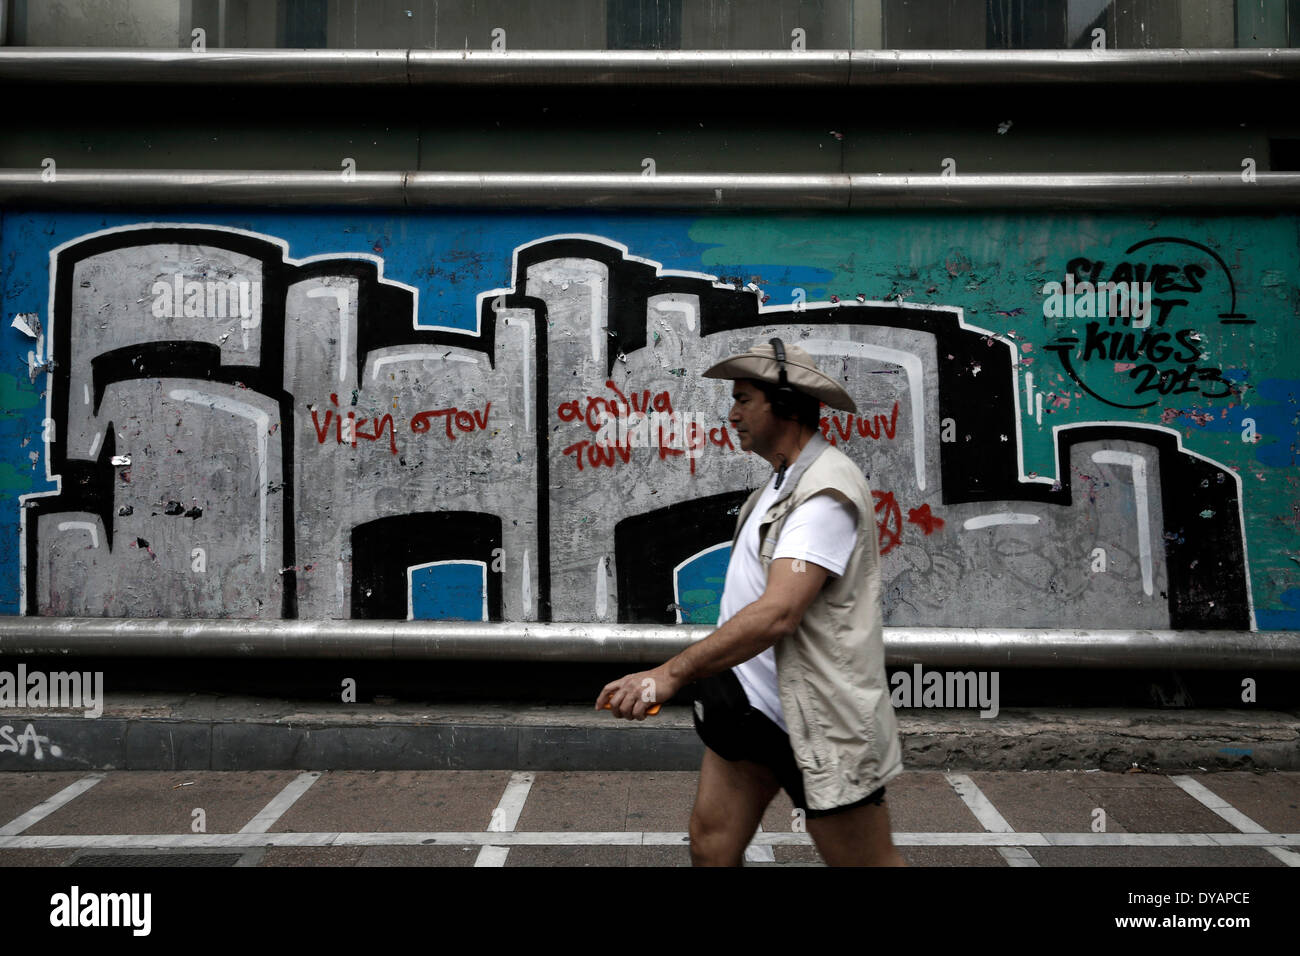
446 640
45 66
569 190
826 192
170 187
819 68
1073 190
1072 67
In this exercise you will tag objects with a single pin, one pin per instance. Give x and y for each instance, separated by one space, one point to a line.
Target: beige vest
831 671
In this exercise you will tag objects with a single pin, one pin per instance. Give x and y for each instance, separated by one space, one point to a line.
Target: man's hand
631 696
791 587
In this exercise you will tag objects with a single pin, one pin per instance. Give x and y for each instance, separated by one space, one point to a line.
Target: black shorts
734 730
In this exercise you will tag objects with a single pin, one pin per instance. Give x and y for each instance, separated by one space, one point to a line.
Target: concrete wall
105 23
335 416
667 24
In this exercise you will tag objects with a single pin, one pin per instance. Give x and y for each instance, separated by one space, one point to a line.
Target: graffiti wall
1082 421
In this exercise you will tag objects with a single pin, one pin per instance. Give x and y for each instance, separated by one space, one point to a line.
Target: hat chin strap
778 347
780 472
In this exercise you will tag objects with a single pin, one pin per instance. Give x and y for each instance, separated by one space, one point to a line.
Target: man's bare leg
857 837
728 807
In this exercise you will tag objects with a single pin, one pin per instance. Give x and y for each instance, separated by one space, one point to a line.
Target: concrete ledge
206 732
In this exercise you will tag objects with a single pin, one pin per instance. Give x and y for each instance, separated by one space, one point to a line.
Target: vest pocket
813 755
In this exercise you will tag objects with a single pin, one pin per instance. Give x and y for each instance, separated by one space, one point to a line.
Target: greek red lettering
595 404
696 437
609 383
892 428
464 421
721 437
598 455
378 425
423 421
666 450
321 430
866 427
482 422
576 448
447 413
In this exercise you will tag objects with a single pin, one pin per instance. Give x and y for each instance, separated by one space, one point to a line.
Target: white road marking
759 852
505 816
1017 856
43 809
974 798
492 856
626 838
281 802
1289 857
989 818
1212 801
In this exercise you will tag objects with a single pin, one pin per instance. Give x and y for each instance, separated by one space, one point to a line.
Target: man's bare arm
791 587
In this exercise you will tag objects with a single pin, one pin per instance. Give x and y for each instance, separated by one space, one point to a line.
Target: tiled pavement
630 818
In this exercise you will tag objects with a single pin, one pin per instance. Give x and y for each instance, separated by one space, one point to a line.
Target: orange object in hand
654 709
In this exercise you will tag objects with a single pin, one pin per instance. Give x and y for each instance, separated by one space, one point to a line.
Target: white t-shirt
821 531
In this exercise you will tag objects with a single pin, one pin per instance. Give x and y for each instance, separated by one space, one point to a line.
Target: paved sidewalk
211 732
630 818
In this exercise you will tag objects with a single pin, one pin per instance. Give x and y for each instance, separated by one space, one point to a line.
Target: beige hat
801 373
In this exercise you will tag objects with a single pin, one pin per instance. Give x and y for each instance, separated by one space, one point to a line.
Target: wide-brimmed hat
801 373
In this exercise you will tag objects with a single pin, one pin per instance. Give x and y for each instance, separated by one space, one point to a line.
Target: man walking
791 691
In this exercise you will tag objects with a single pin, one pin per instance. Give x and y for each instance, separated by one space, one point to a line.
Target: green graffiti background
994 267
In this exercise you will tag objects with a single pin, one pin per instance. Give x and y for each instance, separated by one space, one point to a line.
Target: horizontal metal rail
652 68
723 191
444 640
